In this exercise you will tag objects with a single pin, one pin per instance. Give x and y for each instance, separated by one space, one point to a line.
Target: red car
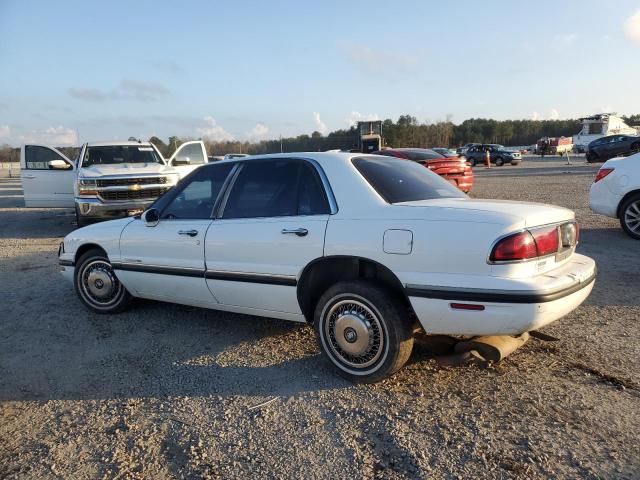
454 169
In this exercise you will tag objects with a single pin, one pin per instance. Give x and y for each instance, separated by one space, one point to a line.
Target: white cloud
379 60
566 39
127 89
5 131
536 116
356 117
259 132
212 131
553 114
57 136
320 125
632 28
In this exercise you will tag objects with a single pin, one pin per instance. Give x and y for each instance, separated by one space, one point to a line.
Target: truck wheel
363 330
630 216
499 162
635 147
97 286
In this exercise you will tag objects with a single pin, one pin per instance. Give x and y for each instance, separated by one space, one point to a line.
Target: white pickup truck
108 179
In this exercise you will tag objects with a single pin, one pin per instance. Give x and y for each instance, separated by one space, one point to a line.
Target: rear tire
97 286
363 330
591 157
630 216
499 162
635 148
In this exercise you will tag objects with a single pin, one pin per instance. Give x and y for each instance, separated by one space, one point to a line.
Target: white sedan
366 248
615 192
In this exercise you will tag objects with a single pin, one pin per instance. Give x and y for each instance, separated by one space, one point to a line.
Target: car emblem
135 187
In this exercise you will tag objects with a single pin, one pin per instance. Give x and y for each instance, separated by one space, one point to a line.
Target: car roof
125 143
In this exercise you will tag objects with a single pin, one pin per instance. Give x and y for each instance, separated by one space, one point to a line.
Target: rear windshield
421 155
115 154
398 180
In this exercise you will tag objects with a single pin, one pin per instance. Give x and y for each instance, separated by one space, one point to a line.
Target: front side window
276 188
119 154
38 158
196 198
399 181
191 154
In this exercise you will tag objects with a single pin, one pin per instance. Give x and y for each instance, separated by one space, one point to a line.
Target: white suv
615 192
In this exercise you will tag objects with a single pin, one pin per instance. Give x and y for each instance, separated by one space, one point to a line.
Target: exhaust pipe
493 348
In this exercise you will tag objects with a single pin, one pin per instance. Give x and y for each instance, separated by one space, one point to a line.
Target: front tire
499 162
97 286
630 217
80 222
363 330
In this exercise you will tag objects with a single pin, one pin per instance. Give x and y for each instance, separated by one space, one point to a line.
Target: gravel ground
167 391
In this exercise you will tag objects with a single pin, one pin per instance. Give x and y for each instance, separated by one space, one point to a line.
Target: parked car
108 179
498 155
615 192
612 146
447 152
463 150
455 170
367 248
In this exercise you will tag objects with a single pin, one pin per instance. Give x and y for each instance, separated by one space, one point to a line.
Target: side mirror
59 165
182 161
151 217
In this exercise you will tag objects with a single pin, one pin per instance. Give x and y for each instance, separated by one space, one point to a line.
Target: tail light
603 172
534 243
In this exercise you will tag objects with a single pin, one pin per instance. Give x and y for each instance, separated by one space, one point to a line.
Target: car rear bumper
602 200
92 208
504 311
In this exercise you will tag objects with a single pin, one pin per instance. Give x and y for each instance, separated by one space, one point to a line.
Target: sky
78 71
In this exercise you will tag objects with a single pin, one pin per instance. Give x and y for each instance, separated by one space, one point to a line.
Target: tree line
407 131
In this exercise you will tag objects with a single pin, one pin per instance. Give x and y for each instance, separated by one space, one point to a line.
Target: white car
615 192
108 179
367 248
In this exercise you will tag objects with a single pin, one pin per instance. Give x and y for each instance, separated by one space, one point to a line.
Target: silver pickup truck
108 179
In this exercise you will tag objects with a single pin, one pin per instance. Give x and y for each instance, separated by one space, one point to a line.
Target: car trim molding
495 296
180 271
66 263
264 278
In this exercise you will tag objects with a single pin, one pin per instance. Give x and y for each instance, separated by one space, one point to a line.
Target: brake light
519 246
547 241
603 172
529 244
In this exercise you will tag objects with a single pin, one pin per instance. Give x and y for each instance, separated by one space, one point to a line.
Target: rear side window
400 181
276 188
422 155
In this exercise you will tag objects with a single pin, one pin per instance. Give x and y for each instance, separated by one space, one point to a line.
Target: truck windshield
115 154
398 180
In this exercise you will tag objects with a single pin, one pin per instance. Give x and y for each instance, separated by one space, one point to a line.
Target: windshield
116 154
398 180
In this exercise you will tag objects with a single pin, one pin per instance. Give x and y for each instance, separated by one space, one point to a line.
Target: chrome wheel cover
632 217
354 334
99 285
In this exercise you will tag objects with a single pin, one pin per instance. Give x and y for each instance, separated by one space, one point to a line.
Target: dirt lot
170 391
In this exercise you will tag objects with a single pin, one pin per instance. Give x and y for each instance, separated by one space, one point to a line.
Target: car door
47 177
164 260
271 226
188 157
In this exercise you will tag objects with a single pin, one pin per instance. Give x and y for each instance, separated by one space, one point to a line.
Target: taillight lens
603 172
547 241
519 246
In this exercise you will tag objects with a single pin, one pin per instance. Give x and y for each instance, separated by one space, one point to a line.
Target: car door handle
301 232
191 233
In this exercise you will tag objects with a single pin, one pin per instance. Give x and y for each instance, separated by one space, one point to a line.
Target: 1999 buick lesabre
367 248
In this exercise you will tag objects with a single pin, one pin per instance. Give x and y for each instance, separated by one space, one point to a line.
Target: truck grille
149 194
119 182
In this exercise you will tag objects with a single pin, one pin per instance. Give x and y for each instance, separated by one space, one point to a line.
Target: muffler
493 348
